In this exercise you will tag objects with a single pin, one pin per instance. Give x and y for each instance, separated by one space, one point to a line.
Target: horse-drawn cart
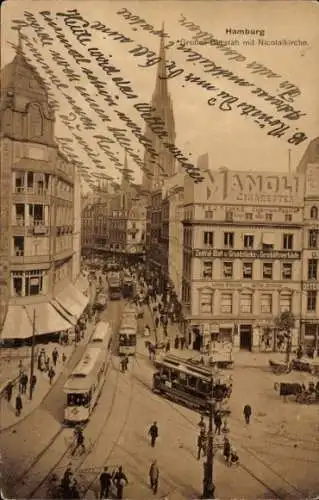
303 394
279 367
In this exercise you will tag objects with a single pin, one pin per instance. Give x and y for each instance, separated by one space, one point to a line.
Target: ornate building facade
40 251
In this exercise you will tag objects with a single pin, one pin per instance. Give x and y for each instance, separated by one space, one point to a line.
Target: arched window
314 213
35 121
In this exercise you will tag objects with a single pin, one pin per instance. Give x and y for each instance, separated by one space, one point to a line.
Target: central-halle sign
245 254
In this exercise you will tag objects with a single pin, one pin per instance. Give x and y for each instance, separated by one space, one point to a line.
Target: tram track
297 493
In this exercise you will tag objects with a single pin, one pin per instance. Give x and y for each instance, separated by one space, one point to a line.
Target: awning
73 301
17 325
47 319
268 238
64 313
82 284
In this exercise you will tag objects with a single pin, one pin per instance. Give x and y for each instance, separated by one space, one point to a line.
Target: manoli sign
257 188
245 254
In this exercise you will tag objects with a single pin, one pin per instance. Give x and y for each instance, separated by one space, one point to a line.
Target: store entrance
246 337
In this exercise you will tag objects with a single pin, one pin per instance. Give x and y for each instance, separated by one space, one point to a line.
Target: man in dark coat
120 480
218 422
226 451
153 432
19 405
247 413
105 483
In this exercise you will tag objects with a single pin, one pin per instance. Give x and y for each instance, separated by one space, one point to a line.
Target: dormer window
314 213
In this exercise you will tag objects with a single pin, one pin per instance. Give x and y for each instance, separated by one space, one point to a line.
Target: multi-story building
309 167
39 198
242 260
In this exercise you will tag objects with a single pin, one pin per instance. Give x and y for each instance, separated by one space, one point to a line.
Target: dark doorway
198 340
246 335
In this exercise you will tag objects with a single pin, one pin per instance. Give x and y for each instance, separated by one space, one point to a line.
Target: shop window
33 282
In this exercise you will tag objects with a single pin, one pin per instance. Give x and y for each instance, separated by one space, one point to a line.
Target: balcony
24 194
39 227
21 259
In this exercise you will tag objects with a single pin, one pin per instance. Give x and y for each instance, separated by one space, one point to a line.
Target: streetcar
191 385
84 385
102 336
128 287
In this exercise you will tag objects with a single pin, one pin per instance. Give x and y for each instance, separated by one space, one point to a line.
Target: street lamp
208 485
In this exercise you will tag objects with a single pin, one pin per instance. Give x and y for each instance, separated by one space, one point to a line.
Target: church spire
161 76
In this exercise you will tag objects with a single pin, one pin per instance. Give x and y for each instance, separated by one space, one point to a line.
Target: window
228 269
207 269
248 241
312 269
285 302
17 280
313 238
268 217
287 241
310 329
229 216
18 246
206 302
267 270
266 303
311 300
208 238
209 214
314 213
246 303
286 271
248 270
288 217
228 240
226 302
248 216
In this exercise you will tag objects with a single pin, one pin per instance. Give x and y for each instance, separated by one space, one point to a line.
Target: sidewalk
8 416
242 358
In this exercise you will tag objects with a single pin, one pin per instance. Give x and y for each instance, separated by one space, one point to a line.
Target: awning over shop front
47 319
17 325
72 301
64 313
82 284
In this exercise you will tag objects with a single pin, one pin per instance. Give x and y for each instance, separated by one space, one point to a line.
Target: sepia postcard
159 249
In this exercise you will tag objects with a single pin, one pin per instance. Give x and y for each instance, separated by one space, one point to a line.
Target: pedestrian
33 382
202 424
176 342
218 422
55 356
79 437
122 363
51 374
105 483
154 476
156 322
247 413
47 364
167 346
25 382
201 444
126 361
153 432
120 480
226 450
234 458
66 482
63 358
19 405
21 383
182 342
9 390
165 330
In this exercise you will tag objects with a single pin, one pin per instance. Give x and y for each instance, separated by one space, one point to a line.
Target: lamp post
208 485
32 356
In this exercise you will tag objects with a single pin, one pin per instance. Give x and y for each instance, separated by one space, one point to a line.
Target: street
278 451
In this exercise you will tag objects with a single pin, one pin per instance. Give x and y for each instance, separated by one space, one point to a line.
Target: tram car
192 385
102 336
84 385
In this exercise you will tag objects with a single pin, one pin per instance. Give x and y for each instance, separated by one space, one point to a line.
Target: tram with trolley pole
84 385
191 384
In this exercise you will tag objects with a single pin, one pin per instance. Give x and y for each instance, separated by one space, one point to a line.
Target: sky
231 140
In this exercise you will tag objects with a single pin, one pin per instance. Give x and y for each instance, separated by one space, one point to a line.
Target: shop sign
245 254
